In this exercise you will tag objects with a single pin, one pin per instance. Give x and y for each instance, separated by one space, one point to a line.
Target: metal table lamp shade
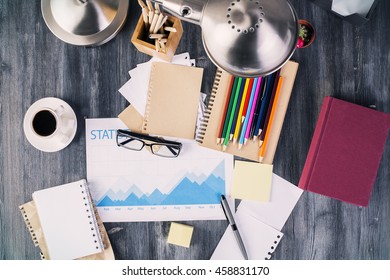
247 38
85 22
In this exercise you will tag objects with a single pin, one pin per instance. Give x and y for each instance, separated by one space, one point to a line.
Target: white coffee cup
50 123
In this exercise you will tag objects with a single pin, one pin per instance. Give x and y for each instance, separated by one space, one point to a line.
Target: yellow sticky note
180 234
252 181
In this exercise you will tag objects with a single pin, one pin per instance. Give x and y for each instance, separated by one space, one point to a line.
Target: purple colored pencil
253 109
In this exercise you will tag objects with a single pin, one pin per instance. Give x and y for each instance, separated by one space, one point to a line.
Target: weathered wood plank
346 62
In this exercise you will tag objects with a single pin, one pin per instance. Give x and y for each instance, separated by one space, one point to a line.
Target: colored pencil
249 110
265 127
258 106
229 102
264 106
237 109
226 124
251 80
229 126
256 99
271 118
245 97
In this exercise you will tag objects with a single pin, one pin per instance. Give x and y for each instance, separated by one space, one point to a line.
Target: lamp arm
187 10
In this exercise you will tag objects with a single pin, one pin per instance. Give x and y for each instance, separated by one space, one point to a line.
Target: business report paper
131 185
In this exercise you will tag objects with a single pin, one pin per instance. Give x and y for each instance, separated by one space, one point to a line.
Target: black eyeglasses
157 145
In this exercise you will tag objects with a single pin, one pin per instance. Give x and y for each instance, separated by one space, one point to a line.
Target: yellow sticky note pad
180 234
252 181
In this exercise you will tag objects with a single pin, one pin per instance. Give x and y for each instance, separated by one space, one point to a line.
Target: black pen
229 217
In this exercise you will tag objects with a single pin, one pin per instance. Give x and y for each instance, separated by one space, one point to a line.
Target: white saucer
48 144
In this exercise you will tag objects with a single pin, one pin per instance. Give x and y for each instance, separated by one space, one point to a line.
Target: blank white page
259 239
284 196
68 221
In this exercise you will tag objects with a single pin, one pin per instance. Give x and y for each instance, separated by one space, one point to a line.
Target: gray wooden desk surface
345 62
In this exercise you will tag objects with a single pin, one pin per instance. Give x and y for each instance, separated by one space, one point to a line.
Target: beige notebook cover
132 119
173 96
65 225
214 114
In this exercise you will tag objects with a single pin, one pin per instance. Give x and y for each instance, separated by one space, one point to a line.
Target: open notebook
214 114
63 223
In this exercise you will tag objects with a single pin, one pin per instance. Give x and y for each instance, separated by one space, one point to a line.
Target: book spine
206 116
315 143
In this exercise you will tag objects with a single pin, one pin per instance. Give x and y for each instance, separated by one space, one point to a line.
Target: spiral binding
206 116
148 100
272 249
29 226
95 231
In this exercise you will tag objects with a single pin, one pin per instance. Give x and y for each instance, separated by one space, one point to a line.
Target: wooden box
141 41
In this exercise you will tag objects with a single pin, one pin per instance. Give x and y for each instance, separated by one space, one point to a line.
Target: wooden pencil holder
141 41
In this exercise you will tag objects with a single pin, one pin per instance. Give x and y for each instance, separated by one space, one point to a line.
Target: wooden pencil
237 109
244 97
264 106
229 127
258 106
256 100
271 118
245 111
224 116
249 110
265 127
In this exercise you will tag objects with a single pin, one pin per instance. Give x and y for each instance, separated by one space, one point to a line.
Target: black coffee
44 123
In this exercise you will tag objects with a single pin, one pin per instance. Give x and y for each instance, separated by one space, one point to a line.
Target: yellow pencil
239 118
271 118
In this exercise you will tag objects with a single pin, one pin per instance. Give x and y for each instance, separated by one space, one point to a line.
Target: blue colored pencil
258 105
264 106
246 121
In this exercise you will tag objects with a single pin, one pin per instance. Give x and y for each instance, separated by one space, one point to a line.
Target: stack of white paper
260 223
136 89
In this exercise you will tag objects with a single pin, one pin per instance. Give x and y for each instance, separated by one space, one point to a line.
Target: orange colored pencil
271 119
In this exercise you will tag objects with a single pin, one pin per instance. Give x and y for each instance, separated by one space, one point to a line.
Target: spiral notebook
172 102
208 134
67 219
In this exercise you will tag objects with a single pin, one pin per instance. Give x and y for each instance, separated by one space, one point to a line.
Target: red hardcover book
345 151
